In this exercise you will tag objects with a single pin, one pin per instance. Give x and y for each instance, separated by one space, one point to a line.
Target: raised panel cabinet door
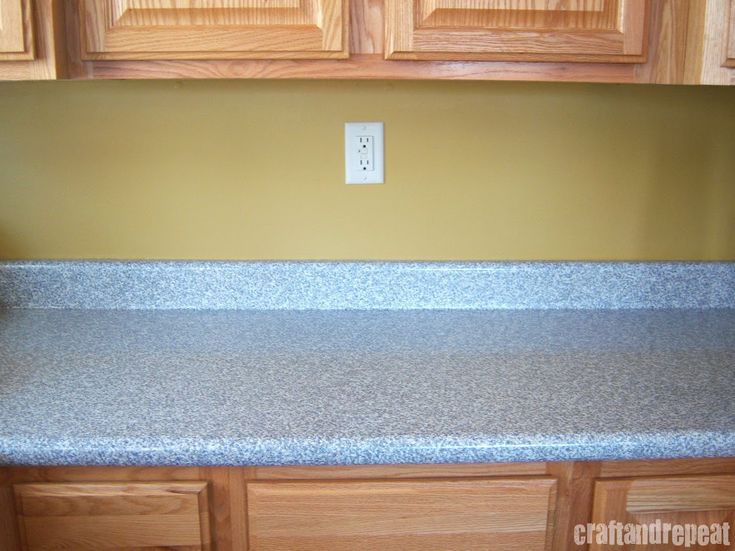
16 30
109 516
522 30
213 29
401 515
694 500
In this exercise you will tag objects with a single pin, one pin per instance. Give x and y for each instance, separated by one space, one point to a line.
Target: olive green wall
254 170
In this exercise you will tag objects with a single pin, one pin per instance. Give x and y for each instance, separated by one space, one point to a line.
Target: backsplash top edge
390 285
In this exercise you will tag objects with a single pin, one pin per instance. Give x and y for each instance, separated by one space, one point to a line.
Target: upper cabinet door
523 30
213 29
16 30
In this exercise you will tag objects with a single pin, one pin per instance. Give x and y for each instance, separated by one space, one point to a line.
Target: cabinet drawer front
703 499
90 516
498 514
213 29
571 30
16 30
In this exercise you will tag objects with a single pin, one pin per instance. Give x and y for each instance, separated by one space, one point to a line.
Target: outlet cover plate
364 158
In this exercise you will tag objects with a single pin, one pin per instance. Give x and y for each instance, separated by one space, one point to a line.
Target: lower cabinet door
478 514
109 516
686 504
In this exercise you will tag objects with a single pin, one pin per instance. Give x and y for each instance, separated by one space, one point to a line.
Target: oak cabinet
621 41
500 514
212 29
503 507
711 45
130 516
564 30
16 30
730 53
31 40
674 500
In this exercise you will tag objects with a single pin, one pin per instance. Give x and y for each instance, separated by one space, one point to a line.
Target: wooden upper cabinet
704 499
31 40
522 30
16 30
213 29
711 45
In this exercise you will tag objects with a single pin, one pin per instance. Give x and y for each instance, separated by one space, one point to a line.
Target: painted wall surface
254 170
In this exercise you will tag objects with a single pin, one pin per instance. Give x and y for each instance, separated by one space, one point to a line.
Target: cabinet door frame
113 30
627 43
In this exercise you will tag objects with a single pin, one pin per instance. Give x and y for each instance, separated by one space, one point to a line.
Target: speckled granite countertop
280 386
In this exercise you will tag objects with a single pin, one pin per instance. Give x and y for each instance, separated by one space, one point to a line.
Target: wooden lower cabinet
123 516
503 514
683 500
504 507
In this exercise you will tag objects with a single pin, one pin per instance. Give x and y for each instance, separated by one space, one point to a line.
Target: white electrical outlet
364 163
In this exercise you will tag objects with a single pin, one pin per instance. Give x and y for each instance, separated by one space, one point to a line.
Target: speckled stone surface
366 285
280 387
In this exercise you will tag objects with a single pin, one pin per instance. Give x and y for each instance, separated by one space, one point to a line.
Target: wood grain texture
694 43
618 469
16 30
113 515
701 499
213 29
43 57
228 502
575 491
674 52
17 475
9 535
500 514
357 67
688 42
715 42
366 27
227 506
518 14
667 42
574 31
684 493
363 472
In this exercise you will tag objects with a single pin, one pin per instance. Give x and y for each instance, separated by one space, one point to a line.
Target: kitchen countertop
287 387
